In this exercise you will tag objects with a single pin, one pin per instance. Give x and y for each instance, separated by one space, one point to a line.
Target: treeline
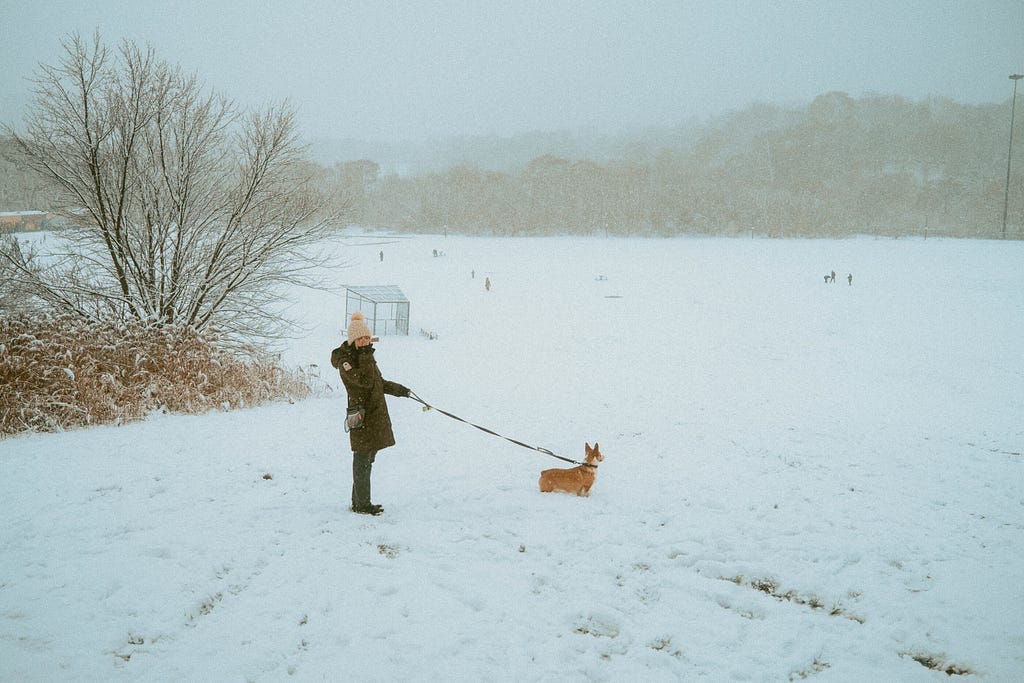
839 166
20 188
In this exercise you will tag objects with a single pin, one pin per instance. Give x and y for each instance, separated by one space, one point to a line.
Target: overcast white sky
412 70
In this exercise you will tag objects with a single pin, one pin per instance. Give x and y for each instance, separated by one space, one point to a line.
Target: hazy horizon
392 72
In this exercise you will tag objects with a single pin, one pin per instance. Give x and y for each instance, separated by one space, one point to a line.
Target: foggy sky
414 70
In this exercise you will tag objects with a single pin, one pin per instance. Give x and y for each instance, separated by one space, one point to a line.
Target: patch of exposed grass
938 663
816 667
770 587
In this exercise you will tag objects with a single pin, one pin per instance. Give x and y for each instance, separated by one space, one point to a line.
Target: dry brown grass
58 373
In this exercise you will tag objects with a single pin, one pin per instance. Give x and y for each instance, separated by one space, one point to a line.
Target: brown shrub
58 373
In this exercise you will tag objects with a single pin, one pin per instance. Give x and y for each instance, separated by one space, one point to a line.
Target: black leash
545 451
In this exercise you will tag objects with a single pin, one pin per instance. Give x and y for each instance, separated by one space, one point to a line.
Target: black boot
362 465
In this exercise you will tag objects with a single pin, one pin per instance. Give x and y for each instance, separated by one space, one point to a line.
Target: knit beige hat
358 328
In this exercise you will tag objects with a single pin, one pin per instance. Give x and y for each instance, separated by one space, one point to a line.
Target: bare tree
179 209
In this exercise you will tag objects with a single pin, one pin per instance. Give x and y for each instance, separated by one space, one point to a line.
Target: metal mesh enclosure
385 308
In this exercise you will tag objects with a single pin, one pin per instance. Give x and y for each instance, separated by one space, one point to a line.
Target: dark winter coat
366 387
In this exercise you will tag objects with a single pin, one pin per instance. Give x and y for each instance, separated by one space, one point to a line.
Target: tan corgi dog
576 480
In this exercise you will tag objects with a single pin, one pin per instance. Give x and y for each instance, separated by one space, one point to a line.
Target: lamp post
1009 156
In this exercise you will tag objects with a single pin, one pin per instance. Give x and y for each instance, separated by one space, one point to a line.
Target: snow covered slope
801 480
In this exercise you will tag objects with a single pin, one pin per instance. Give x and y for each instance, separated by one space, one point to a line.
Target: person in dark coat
366 388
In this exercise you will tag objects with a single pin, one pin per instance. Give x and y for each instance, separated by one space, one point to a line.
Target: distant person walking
366 387
382 256
849 278
487 283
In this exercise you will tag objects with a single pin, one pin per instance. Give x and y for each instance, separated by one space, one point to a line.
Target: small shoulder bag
354 418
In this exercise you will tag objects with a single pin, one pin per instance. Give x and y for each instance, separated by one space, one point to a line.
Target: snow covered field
801 481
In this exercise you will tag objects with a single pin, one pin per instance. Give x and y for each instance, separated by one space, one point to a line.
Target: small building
25 221
385 308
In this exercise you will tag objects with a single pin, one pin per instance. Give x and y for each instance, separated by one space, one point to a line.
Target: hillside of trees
880 165
20 189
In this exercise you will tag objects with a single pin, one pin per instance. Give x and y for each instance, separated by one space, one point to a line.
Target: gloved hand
404 390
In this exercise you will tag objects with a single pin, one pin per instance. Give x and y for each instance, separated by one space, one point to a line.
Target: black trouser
362 464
